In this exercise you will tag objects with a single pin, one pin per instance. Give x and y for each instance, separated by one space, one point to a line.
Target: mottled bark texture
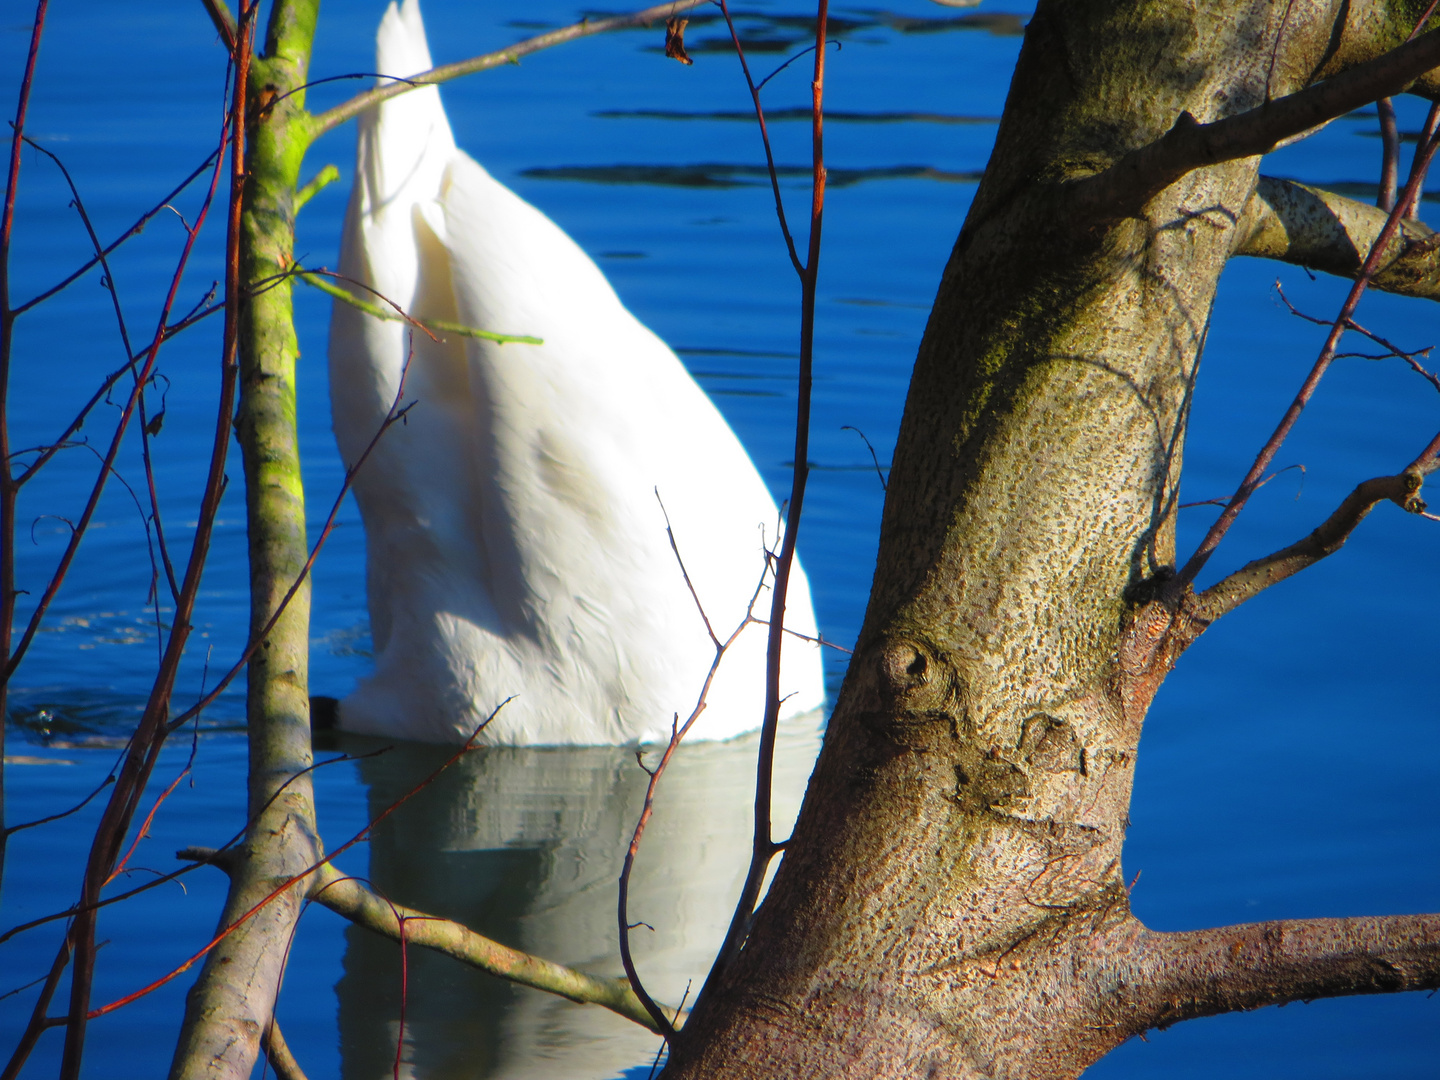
951 903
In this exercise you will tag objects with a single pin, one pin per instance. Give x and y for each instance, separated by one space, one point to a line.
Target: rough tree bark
952 902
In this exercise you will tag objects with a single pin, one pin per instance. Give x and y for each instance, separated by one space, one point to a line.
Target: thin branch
879 472
1390 155
352 899
108 280
134 230
224 22
677 733
315 279
1125 187
763 846
1394 352
1255 577
12 829
1420 166
332 118
764 138
323 179
9 488
277 1052
1222 524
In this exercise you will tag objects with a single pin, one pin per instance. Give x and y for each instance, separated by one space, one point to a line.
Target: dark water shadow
524 844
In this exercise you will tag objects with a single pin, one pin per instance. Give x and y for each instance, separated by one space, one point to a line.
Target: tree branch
1320 230
277 1051
1255 577
224 22
1234 968
1126 186
355 901
332 118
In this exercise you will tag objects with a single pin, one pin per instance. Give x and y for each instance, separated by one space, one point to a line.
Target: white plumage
515 546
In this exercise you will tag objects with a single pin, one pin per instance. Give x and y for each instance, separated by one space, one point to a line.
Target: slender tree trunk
231 1003
952 902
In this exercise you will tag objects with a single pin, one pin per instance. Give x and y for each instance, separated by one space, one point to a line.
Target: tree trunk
230 1005
952 902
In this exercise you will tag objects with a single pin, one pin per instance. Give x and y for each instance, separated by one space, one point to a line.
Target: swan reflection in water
525 844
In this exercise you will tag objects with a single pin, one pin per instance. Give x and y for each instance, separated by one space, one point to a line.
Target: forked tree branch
331 118
1225 596
1126 186
1320 230
1197 973
1342 322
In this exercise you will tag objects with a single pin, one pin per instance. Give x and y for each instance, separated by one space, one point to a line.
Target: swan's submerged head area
517 546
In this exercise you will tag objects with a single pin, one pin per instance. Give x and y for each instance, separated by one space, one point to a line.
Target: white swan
515 546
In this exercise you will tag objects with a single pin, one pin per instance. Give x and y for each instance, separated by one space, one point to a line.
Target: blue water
1289 765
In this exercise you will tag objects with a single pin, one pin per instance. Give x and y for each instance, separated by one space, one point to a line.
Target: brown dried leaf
675 40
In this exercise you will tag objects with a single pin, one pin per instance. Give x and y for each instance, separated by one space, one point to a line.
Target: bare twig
332 118
1393 351
1217 531
879 472
763 846
1390 160
108 280
316 279
134 230
765 138
9 488
224 22
1420 165
151 732
678 732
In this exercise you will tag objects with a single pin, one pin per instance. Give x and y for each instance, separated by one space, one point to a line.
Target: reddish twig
182 871
765 138
677 733
1393 351
9 489
144 829
395 415
1390 155
763 846
134 230
108 280
1196 562
291 881
152 731
1420 164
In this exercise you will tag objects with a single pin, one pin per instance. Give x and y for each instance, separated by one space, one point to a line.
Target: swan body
516 548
